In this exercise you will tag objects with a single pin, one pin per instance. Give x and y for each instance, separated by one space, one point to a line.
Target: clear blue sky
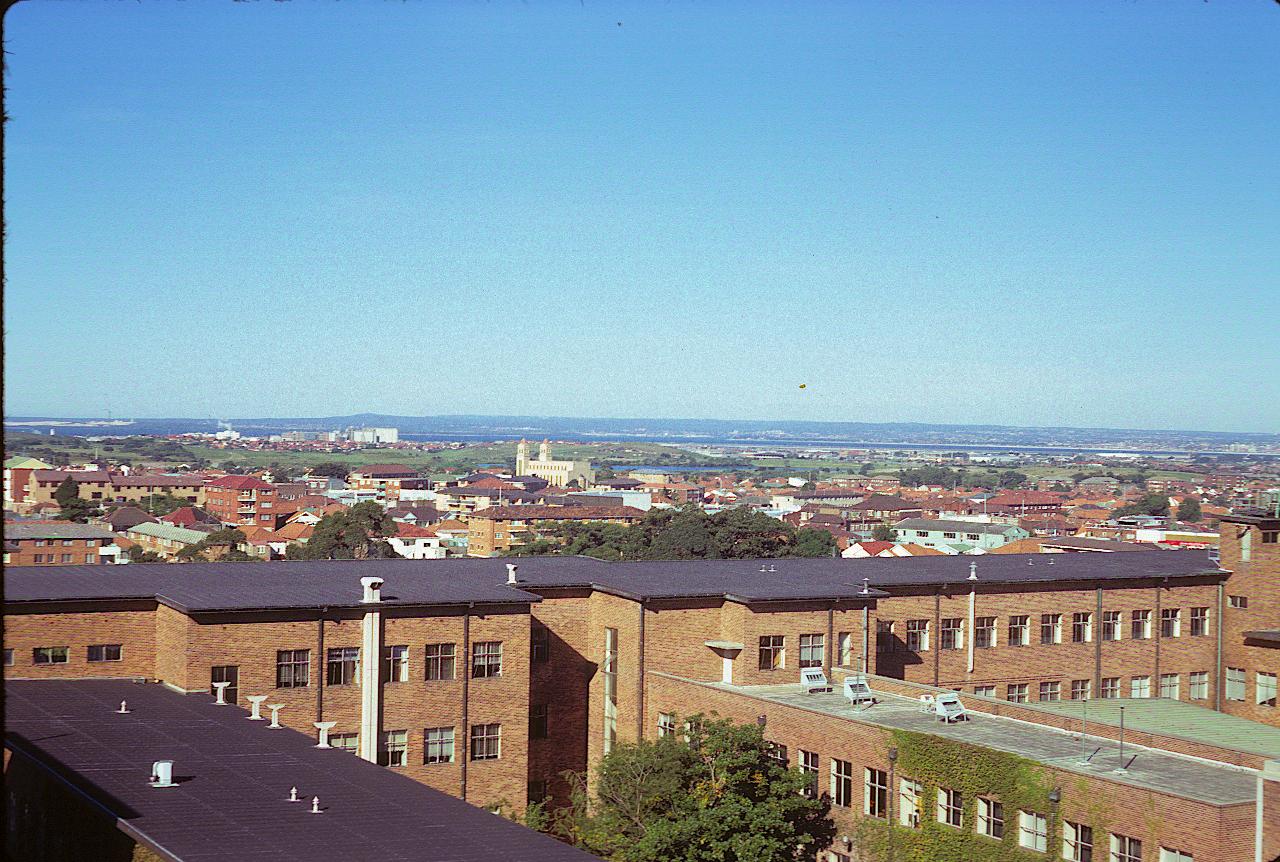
1031 213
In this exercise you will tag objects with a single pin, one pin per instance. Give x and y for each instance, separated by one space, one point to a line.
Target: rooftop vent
372 590
973 571
162 774
511 574
124 708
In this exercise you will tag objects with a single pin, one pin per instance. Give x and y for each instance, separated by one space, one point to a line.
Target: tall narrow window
841 783
984 632
395 664
1141 625
1199 622
1033 831
1019 630
1235 683
1081 628
951 633
812 650
666 724
990 818
1199 685
1112 622
918 635
844 649
609 670
1051 628
1170 622
1266 687
809 766
1077 842
910 803
226 673
539 643
885 641
342 665
538 721
1125 849
875 795
950 807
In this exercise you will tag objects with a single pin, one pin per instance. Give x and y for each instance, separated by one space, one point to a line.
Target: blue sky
1017 213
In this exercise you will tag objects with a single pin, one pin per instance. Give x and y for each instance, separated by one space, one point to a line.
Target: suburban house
958 537
417 543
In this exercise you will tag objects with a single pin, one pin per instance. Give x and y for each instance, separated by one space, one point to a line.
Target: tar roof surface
234 778
336 583
62 530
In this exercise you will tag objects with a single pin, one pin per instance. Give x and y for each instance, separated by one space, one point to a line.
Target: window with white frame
1077 842
875 793
1140 629
1170 685
950 807
1081 689
809 766
1125 849
1112 621
486 659
1051 628
395 664
844 649
777 752
812 650
1017 692
440 661
910 802
841 783
1199 622
343 664
437 745
1265 684
1081 628
666 724
609 674
1235 683
1167 855
486 741
1199 685
990 817
1110 687
293 668
951 633
1033 831
1019 630
985 690
395 748
1170 622
1140 686
984 632
772 652
1050 691
918 635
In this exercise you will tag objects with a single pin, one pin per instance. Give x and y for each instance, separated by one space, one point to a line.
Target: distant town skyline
1057 215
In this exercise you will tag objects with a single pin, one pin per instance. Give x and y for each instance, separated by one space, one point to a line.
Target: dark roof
55 530
555 513
234 779
241 483
885 503
336 583
127 516
1270 636
494 493
388 470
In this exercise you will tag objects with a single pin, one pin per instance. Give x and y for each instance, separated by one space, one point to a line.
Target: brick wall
132 626
50 552
1256 580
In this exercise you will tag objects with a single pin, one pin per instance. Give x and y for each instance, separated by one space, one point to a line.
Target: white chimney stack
973 571
293 794
372 590
162 774
511 574
315 804
124 708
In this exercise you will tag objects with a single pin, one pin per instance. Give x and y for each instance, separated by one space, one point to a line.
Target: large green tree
357 533
720 796
1189 510
884 533
1148 504
70 506
229 538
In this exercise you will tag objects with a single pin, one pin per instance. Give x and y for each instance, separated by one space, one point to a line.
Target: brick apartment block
592 654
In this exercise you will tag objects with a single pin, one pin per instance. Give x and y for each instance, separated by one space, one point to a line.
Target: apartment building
958 537
384 480
243 500
57 543
493 531
102 486
162 539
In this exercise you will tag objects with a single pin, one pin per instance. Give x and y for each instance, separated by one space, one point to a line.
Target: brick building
383 479
57 543
243 500
493 531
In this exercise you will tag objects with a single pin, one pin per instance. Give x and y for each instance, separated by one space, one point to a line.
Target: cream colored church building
559 473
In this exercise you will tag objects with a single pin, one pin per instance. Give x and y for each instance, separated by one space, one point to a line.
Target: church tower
522 457
544 451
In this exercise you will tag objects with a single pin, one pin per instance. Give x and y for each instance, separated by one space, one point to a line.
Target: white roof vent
372 590
511 574
162 774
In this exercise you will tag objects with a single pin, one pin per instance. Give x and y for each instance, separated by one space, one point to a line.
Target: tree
1149 504
77 510
1012 479
229 538
1189 510
68 489
353 534
162 504
145 557
812 543
865 469
331 469
884 533
719 796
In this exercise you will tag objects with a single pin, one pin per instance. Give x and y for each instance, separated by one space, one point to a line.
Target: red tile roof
240 483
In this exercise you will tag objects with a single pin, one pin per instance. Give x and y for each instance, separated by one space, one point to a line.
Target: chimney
973 571
511 574
162 774
372 590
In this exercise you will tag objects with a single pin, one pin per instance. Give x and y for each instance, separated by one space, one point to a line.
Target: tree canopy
357 533
229 538
719 796
1189 510
70 506
1148 504
884 533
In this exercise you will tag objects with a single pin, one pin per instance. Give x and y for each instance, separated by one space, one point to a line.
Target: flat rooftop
234 778
1151 769
336 583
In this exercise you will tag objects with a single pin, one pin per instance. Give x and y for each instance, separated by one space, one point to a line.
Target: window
1077 842
1266 687
293 668
1141 625
885 641
990 818
1111 687
1081 628
66 558
812 650
1140 686
918 635
609 673
538 721
1170 622
1235 683
8 658
777 752
948 535
437 745
841 783
395 748
440 661
875 799
1199 685
343 663
1017 692
984 632
1246 546
105 652
344 741
1050 691
666 724
950 807
772 650
486 741
90 558
844 649
910 802
1033 831
1081 689
51 655
539 643
1238 601
951 635
537 791
1051 628
1125 849
1019 630
226 673
985 690
486 659
395 664
1167 855
1169 685
809 766
1199 622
